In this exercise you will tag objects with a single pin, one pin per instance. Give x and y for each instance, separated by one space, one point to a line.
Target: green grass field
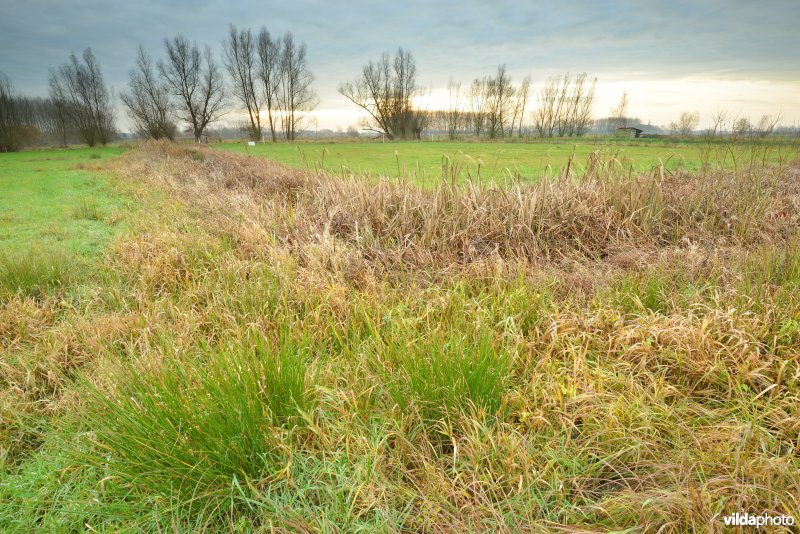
423 161
264 349
57 216
51 200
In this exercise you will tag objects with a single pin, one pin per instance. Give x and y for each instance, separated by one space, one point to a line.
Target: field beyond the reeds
262 348
422 163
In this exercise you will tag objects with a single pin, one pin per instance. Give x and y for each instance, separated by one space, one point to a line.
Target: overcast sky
671 56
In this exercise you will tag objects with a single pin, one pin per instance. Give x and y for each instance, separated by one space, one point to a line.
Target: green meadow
427 161
52 200
57 216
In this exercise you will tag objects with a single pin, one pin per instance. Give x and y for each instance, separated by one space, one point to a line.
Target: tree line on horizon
270 80
267 74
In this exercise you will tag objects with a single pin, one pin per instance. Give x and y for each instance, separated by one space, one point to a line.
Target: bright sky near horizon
698 55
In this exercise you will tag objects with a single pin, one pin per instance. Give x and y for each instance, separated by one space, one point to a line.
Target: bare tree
79 89
565 106
385 90
296 97
8 115
581 104
544 116
718 121
419 118
562 105
687 122
147 101
500 103
479 104
766 125
240 54
619 113
454 116
196 81
405 88
270 74
521 101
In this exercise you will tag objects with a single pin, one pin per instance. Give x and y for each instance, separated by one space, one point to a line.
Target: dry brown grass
597 214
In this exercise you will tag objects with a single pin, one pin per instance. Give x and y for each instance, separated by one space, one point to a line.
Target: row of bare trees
78 108
271 81
565 106
492 106
11 133
82 98
496 106
268 75
738 127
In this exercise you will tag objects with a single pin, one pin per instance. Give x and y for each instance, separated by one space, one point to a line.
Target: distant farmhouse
629 131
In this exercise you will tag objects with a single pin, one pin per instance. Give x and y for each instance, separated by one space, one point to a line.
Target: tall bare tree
454 115
479 104
8 115
544 116
196 82
240 58
296 96
565 106
78 87
581 104
147 100
385 90
500 103
521 101
687 122
270 74
619 113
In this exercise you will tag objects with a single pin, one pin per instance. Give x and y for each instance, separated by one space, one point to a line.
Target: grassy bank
273 349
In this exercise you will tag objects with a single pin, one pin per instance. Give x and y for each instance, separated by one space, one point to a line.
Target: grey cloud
460 40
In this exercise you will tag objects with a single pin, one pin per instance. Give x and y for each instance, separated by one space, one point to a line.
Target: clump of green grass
34 272
88 210
442 376
652 292
208 425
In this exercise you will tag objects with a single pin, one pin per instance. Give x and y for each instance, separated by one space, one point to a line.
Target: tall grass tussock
34 272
